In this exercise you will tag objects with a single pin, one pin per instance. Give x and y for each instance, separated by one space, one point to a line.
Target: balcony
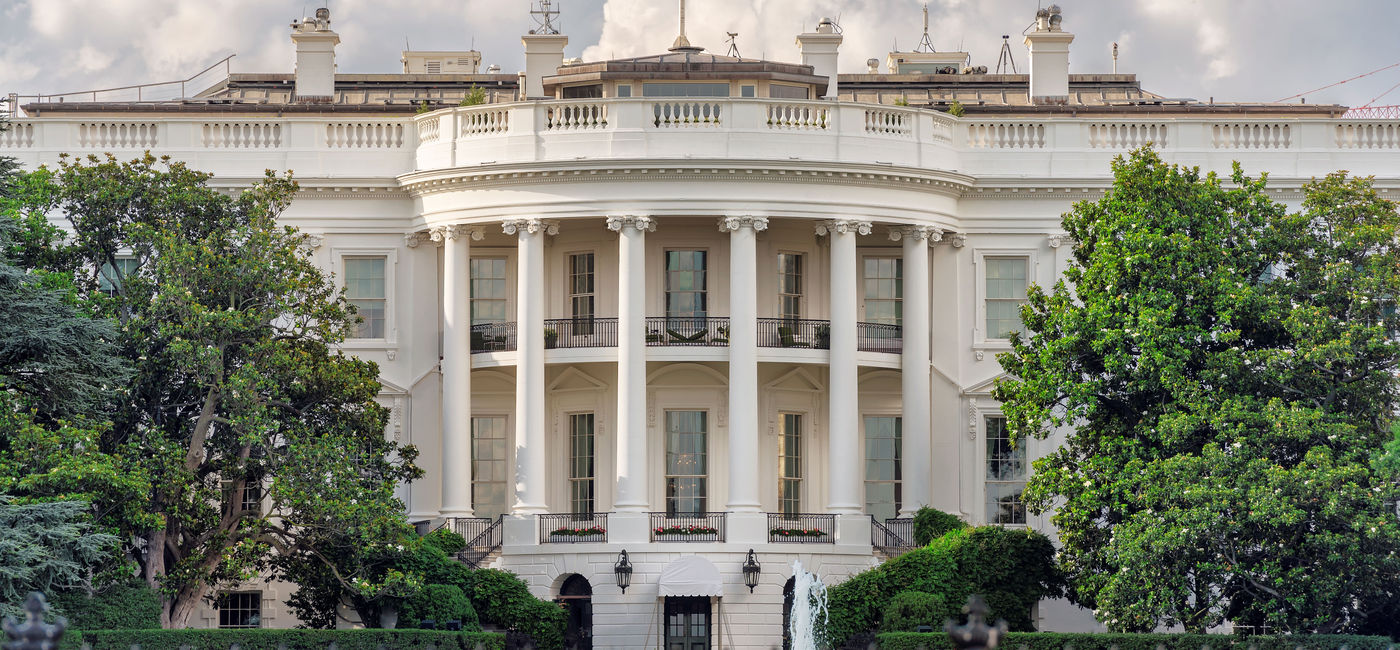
580 333
801 528
879 337
493 337
687 331
679 331
588 527
692 527
794 333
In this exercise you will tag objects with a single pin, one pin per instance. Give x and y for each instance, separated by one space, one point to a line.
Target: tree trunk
182 607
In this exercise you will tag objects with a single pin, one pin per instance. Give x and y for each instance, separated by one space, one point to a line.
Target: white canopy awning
690 576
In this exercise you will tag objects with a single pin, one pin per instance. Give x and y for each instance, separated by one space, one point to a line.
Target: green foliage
445 540
230 328
47 547
440 603
475 96
956 109
129 606
1012 569
423 108
503 599
910 609
930 524
1060 641
1225 372
261 639
901 101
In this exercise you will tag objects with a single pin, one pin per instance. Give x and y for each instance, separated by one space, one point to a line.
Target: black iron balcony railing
580 333
663 331
886 540
574 528
687 527
794 333
493 337
480 548
469 527
879 337
801 528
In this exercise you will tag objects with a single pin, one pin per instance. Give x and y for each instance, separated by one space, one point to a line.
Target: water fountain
808 608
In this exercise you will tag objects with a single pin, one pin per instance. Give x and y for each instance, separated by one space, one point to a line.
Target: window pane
686 462
685 90
488 290
685 284
1006 474
882 466
581 461
884 290
489 466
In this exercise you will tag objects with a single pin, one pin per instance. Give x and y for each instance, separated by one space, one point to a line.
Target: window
581 295
789 286
581 500
250 501
1006 292
685 90
488 287
1006 474
685 284
624 90
489 466
240 609
687 623
583 92
364 288
883 495
790 465
884 290
779 91
747 91
108 280
686 448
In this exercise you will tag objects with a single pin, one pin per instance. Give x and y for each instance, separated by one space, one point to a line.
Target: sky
1231 50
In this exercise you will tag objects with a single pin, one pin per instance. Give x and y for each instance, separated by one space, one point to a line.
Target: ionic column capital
843 226
931 234
1057 239
640 223
529 226
731 224
416 239
453 232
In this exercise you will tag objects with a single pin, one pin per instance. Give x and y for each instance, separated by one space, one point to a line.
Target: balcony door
883 484
686 285
687 465
687 623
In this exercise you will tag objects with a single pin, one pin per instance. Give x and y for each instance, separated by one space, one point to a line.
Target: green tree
237 390
1223 372
48 547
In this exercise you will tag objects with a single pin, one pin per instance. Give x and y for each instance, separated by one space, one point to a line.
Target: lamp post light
622 570
751 571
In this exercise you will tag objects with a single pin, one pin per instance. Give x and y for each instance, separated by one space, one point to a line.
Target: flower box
579 532
797 532
686 530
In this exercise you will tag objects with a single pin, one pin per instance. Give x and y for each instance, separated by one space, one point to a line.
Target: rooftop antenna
733 46
925 43
544 16
1006 59
1115 58
682 43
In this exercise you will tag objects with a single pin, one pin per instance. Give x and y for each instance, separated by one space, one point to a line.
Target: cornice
351 189
457 179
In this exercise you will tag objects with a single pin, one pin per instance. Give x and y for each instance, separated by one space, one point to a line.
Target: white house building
699 303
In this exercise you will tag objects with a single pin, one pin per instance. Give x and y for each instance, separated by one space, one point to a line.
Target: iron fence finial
34 633
976 634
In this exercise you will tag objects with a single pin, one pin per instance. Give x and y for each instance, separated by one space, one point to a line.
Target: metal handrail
662 522
794 333
667 331
798 528
581 333
138 87
879 337
493 337
887 541
595 525
483 545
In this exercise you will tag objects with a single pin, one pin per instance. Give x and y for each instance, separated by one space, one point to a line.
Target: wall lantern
751 570
622 570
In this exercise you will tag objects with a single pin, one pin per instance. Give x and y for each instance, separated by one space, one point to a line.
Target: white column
743 361
631 362
843 421
456 369
917 412
531 457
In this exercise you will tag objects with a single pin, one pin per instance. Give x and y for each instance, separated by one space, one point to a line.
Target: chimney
544 53
1049 47
820 50
315 44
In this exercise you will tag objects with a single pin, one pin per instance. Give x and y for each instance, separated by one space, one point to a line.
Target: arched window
577 596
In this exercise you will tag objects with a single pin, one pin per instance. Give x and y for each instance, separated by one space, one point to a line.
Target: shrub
930 524
1057 641
910 609
1011 569
500 598
956 109
258 639
445 540
440 603
132 606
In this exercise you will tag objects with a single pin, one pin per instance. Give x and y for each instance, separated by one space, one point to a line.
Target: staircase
483 549
892 538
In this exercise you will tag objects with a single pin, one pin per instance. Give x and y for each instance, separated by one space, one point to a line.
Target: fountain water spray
809 613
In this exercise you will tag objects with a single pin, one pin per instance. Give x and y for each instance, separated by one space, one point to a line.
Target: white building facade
700 305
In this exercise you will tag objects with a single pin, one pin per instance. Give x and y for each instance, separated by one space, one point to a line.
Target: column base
746 528
519 530
853 530
629 528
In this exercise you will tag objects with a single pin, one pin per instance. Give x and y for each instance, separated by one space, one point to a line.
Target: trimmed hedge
440 604
930 524
263 639
123 607
1059 641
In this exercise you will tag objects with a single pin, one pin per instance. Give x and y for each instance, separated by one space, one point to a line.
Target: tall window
1006 292
240 609
884 290
581 295
581 468
489 466
488 290
883 489
685 284
790 465
249 501
1006 474
364 288
789 286
109 279
686 465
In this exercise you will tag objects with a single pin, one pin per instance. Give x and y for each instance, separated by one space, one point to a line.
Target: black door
577 596
687 623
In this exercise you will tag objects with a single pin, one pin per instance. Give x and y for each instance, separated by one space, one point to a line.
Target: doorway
576 594
687 623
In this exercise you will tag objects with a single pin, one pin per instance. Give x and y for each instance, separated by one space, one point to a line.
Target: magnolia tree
254 435
1226 374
